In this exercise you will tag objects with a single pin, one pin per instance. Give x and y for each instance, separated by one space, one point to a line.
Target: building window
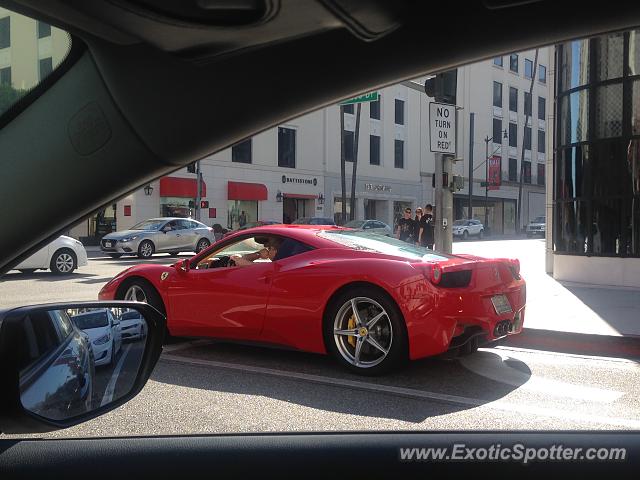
542 147
542 74
497 61
5 32
348 108
374 109
527 103
348 145
541 174
513 135
5 76
574 117
497 130
527 138
527 171
513 99
608 111
542 108
177 207
513 170
286 147
398 154
497 94
241 212
241 152
513 62
191 168
374 150
528 68
45 67
44 30
399 112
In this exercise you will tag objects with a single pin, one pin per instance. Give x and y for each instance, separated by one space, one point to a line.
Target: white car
104 332
132 326
61 256
372 226
537 226
468 228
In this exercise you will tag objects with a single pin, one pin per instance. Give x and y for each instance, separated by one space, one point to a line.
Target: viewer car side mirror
57 360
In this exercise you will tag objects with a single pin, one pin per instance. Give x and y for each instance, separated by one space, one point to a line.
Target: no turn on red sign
442 127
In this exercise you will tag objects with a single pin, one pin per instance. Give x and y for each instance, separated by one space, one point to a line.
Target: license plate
107 244
501 304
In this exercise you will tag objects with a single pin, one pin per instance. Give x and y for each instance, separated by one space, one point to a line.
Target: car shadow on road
48 276
423 389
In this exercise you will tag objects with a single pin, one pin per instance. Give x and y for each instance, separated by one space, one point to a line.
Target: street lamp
321 198
488 139
279 196
148 190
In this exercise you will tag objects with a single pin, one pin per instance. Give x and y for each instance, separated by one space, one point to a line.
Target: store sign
377 188
495 168
299 180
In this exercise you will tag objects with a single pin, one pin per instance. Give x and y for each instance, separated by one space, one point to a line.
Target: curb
576 343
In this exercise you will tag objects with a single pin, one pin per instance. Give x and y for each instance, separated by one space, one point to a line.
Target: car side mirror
55 358
183 265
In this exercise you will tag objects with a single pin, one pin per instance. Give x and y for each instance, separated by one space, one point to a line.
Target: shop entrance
294 208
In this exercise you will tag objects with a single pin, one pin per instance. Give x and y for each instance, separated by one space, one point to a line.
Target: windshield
539 220
459 223
149 225
355 224
376 243
90 320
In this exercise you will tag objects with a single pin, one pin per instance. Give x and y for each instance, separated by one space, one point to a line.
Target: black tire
115 255
63 262
28 270
465 235
174 254
481 234
151 296
202 244
397 348
146 249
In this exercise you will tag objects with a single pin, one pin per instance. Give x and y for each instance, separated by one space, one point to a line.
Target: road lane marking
492 365
111 386
411 392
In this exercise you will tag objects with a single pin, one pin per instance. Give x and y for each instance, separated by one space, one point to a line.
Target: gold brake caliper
351 324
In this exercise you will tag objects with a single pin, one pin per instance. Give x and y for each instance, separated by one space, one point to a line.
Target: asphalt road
208 387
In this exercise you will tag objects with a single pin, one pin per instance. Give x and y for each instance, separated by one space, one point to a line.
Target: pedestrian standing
243 219
406 227
416 225
426 237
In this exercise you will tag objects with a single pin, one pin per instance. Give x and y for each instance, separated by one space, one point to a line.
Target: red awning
246 191
181 187
298 195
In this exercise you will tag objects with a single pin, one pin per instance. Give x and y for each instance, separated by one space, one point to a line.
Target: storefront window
609 53
337 210
176 207
574 70
634 52
571 227
608 111
574 118
241 212
635 108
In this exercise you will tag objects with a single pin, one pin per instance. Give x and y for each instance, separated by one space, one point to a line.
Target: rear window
357 240
91 320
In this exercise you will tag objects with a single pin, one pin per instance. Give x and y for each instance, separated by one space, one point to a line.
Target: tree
9 96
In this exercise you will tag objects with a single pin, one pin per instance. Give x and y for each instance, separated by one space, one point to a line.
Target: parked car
537 226
57 366
361 311
61 256
468 228
372 226
168 234
314 221
104 331
259 223
132 325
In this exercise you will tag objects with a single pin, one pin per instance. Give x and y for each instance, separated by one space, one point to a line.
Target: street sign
367 97
442 127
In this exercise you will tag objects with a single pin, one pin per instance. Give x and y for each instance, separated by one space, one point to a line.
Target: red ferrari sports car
369 300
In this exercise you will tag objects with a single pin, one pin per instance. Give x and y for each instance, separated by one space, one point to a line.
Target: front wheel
481 234
202 244
145 249
63 262
365 332
465 235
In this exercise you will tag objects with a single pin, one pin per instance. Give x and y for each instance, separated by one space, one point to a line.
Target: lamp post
488 139
148 190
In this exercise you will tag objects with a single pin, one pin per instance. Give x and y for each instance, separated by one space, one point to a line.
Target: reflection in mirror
76 361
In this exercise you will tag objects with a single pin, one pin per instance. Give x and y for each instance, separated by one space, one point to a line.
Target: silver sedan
372 226
157 235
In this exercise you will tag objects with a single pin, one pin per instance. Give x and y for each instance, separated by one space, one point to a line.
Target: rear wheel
465 235
481 234
202 244
145 249
63 262
365 332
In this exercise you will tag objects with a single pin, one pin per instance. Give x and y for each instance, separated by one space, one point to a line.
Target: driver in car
269 252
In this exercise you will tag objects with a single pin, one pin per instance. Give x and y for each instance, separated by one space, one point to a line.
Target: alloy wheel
135 293
363 332
64 263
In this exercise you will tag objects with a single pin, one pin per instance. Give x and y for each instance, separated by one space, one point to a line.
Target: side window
194 225
185 224
175 225
64 323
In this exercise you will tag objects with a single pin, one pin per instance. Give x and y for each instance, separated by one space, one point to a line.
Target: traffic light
204 203
442 87
191 168
192 204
